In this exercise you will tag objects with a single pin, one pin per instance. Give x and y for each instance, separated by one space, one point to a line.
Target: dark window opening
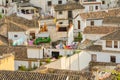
76 0
92 23
60 12
60 22
55 54
96 7
15 35
103 2
113 59
70 14
49 3
62 29
78 24
115 44
60 2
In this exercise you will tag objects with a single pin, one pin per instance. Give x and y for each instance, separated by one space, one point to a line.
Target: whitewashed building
65 13
92 19
8 7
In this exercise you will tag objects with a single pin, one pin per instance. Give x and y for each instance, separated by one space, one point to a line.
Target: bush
60 56
0 16
48 60
79 38
22 68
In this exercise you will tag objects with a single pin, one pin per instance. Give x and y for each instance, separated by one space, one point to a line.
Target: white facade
108 4
76 62
92 6
97 22
63 17
112 46
82 24
105 56
63 52
16 35
7 7
44 4
19 63
35 53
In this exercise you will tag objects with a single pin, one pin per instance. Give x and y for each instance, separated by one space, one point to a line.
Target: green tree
79 38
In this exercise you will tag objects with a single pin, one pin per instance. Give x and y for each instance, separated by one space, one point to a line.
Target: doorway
32 35
70 14
55 54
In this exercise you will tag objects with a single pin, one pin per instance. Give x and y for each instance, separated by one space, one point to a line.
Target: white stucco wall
82 23
87 9
35 53
74 62
19 63
105 56
25 63
63 52
92 36
97 22
19 35
113 49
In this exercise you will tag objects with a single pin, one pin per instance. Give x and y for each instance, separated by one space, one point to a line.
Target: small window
90 8
15 35
103 2
94 57
60 2
49 3
96 7
60 22
109 44
115 44
2 10
113 59
92 23
60 12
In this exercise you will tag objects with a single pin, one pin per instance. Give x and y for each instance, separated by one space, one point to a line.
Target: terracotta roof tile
25 23
112 36
15 75
101 14
68 6
99 29
111 20
4 39
20 52
94 48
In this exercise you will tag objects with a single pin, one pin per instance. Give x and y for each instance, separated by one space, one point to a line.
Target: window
115 44
113 59
60 22
2 10
76 0
94 57
96 7
60 2
49 3
109 44
15 35
60 12
92 23
78 24
103 2
90 8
